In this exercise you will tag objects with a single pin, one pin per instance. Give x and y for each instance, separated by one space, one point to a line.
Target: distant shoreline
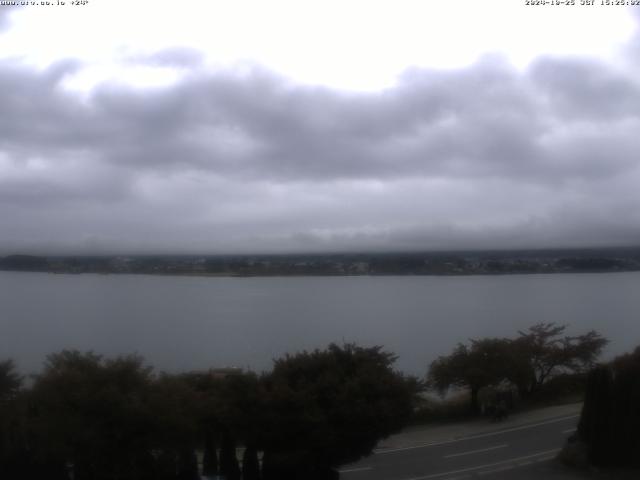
306 275
338 265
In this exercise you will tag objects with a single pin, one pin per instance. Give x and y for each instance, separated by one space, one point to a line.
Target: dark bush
561 388
610 419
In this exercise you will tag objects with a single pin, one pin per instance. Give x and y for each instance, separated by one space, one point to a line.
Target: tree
94 413
250 464
527 361
210 455
229 408
481 364
113 419
187 464
541 352
175 428
12 444
229 467
610 418
595 425
10 381
330 407
626 409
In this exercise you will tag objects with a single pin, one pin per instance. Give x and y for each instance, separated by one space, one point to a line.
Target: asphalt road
521 452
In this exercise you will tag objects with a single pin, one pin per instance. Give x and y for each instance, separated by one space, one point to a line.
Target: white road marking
520 464
360 469
470 452
473 437
569 430
488 465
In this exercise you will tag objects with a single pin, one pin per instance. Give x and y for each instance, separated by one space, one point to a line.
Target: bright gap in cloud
356 45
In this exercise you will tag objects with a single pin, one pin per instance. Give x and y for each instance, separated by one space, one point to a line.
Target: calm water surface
181 323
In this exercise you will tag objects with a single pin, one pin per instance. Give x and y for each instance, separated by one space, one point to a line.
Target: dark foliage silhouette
610 418
88 417
527 362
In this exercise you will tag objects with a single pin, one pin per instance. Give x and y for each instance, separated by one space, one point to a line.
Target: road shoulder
417 436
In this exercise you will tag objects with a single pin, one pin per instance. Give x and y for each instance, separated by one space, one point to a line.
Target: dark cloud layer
485 156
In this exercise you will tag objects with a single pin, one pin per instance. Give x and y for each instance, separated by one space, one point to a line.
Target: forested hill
426 263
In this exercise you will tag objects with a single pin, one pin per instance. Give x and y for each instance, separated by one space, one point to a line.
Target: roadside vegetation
88 417
607 434
541 365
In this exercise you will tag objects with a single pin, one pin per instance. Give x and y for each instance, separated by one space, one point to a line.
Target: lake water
180 323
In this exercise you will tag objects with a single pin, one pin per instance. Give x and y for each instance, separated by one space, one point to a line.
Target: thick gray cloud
587 90
485 156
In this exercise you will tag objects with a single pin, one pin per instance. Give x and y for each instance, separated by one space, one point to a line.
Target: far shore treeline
407 263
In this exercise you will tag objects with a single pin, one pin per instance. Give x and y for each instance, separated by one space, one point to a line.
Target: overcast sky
291 125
